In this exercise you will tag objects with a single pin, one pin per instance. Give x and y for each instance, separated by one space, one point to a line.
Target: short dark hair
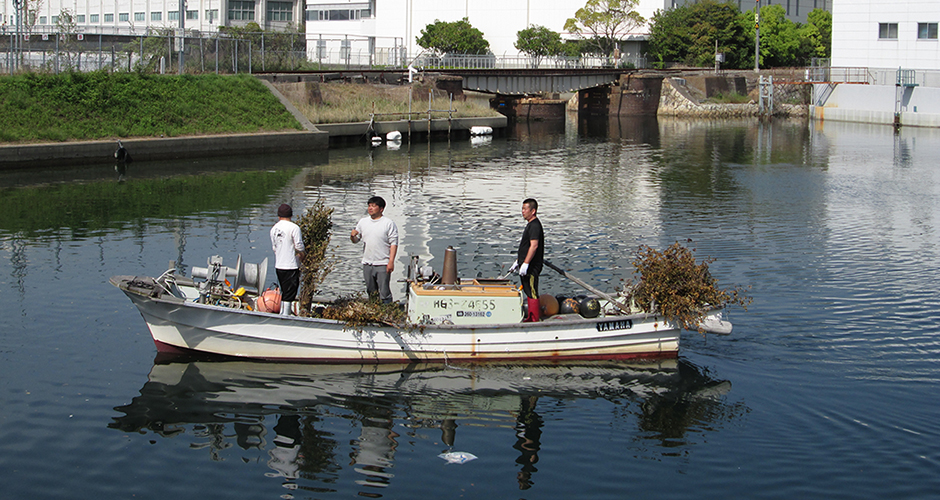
534 205
378 201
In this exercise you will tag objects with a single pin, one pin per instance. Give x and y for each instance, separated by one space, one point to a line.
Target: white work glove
513 267
524 268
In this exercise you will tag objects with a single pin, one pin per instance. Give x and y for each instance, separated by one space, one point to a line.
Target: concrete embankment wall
78 153
919 106
675 100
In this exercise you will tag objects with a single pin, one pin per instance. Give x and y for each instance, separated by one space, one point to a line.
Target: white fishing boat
449 320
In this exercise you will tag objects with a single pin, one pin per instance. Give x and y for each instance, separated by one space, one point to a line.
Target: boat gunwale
561 322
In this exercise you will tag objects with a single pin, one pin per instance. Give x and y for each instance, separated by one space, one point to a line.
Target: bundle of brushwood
671 283
316 227
357 312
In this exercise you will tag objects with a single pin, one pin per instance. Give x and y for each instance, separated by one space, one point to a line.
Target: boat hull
178 325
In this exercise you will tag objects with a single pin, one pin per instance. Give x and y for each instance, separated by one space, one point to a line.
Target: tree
606 22
538 42
457 37
688 33
779 39
66 26
821 20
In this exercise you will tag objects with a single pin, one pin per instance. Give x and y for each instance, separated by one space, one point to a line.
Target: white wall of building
135 16
856 41
499 21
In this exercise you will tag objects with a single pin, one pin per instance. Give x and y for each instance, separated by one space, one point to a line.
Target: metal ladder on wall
905 81
766 93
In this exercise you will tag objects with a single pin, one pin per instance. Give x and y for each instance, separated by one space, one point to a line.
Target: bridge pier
529 108
632 95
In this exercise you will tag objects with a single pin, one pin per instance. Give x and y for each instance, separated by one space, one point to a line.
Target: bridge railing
462 61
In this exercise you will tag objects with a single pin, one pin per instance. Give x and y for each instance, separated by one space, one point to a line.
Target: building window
888 31
109 18
926 31
173 15
140 16
156 16
212 15
55 19
241 10
280 11
42 19
80 18
93 18
124 16
364 12
192 14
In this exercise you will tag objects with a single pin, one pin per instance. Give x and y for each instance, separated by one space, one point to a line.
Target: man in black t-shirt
529 258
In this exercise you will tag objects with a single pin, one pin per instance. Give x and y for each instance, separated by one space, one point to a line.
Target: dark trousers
377 281
290 283
530 285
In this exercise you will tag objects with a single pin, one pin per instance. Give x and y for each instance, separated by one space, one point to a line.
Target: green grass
732 98
100 105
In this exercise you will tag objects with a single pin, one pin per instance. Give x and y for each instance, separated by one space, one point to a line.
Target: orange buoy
269 301
548 304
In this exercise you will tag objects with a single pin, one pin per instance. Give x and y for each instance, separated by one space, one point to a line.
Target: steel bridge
534 81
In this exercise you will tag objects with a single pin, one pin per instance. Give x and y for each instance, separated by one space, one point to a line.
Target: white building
356 28
886 34
136 16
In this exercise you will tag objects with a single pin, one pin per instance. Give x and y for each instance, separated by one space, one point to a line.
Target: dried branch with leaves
674 285
316 227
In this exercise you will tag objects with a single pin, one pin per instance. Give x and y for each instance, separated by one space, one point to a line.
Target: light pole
757 37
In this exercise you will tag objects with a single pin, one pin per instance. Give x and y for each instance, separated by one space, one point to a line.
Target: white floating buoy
481 130
394 135
376 140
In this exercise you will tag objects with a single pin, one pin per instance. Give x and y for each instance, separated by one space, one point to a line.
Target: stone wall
676 101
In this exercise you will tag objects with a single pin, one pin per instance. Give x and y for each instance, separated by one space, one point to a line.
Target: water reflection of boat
298 400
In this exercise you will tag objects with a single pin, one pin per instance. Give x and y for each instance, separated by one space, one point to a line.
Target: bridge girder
520 84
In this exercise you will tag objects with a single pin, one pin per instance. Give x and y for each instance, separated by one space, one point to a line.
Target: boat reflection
226 401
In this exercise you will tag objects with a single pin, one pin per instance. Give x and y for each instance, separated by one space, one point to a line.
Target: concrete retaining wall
361 129
920 106
78 153
674 101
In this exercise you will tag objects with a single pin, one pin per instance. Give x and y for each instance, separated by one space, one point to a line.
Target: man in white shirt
380 236
288 253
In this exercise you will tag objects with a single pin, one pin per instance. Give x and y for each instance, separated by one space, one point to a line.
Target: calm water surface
826 389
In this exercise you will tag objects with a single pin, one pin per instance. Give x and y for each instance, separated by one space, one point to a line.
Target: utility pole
182 38
757 37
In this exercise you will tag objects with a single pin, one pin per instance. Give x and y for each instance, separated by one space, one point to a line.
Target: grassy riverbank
98 105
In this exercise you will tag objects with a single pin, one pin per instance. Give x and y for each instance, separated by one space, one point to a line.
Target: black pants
530 285
290 282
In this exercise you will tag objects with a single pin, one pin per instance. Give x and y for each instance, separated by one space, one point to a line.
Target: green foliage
779 40
316 227
674 285
458 37
605 23
818 29
687 35
538 42
99 105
